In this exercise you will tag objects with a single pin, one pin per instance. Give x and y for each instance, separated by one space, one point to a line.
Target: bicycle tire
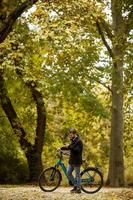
88 187
49 185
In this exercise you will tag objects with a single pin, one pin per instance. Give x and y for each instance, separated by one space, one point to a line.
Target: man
75 159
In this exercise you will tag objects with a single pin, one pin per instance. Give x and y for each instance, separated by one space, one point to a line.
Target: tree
118 33
32 152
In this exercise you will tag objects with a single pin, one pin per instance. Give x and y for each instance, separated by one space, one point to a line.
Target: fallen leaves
63 193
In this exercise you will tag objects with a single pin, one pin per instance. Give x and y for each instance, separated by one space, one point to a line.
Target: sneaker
78 190
74 189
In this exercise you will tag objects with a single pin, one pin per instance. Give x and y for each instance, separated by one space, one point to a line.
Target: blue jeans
77 174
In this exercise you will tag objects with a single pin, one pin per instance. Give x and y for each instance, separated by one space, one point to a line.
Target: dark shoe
78 190
70 183
74 189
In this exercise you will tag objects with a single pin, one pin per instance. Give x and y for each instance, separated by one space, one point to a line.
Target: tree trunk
116 162
34 154
34 163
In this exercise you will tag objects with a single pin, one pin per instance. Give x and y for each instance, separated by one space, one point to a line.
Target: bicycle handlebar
62 152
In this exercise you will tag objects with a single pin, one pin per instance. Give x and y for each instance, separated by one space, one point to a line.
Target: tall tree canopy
74 53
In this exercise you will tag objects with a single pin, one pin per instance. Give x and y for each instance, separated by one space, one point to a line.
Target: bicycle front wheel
92 180
50 179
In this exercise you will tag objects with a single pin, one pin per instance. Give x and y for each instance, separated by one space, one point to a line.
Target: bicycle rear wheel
92 180
50 179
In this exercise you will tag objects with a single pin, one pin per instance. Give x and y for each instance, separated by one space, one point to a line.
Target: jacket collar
75 139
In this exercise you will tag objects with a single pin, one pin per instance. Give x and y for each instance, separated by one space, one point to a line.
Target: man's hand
66 145
59 149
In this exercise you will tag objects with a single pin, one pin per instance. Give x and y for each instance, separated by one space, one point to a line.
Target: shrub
12 170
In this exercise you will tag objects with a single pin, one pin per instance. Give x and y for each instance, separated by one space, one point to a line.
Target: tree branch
107 29
7 27
103 39
101 83
12 115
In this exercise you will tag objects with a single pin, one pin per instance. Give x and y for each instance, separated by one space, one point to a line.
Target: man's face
71 136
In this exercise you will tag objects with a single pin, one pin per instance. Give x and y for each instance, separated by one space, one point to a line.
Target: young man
75 159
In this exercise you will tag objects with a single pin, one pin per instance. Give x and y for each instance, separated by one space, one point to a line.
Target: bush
12 170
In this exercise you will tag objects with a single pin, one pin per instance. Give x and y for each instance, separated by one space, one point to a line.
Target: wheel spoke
49 179
92 180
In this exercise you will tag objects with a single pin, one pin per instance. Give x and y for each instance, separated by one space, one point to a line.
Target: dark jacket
76 148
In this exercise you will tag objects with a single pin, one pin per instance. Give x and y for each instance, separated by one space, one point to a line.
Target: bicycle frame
63 167
73 180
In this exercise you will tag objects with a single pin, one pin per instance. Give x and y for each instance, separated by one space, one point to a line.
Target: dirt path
62 193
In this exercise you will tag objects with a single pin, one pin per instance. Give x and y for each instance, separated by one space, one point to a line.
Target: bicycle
50 178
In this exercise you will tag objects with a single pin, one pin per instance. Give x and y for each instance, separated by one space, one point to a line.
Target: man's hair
72 130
